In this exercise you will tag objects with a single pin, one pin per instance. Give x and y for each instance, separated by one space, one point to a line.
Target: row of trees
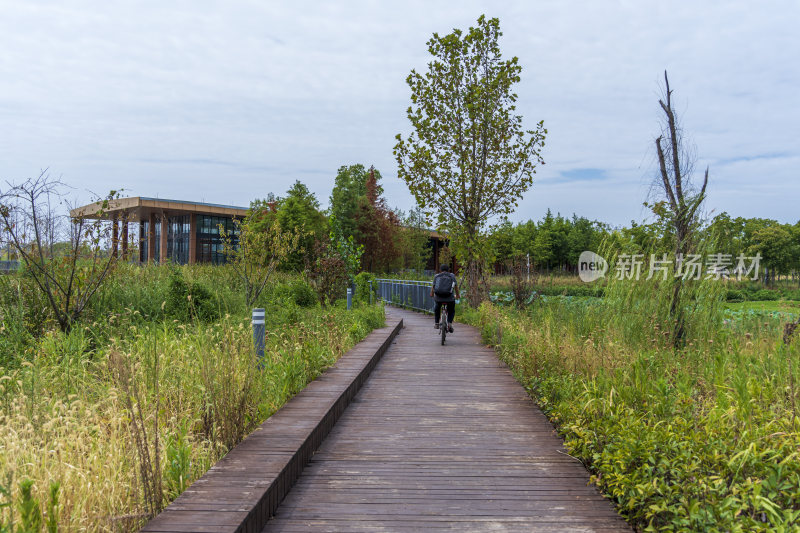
778 244
553 243
556 242
358 223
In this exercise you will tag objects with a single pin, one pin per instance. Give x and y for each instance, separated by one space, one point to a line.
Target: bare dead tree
521 285
67 259
680 197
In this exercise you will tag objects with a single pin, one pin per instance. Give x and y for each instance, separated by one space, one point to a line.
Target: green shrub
792 295
734 295
298 291
698 439
363 287
186 301
765 295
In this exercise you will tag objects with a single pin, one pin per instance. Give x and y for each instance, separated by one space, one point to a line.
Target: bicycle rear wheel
443 326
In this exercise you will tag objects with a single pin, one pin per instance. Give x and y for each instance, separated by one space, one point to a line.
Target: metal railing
406 293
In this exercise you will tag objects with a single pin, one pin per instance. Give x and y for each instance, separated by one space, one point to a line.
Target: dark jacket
452 297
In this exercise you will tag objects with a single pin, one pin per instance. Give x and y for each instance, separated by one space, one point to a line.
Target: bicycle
444 324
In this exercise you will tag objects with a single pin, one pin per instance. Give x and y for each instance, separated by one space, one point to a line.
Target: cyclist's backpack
443 285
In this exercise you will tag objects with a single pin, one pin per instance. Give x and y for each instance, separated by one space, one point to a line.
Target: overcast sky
225 102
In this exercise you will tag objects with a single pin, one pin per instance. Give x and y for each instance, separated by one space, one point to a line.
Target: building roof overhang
139 208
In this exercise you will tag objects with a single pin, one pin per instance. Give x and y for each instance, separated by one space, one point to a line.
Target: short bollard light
258 332
349 298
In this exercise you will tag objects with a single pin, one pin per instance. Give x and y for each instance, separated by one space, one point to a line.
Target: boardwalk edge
265 465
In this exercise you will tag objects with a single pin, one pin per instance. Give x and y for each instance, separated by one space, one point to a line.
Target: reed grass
125 411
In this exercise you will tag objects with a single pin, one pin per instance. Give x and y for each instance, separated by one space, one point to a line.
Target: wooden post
125 239
192 239
151 239
114 237
163 252
142 250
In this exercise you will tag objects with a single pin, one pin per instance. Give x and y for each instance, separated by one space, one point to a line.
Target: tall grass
700 438
127 409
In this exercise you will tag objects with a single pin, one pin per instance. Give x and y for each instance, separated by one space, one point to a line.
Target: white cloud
226 101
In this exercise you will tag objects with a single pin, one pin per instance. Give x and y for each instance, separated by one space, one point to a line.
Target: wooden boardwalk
442 438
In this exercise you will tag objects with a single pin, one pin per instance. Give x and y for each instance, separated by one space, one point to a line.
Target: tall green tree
502 240
525 239
299 211
468 159
583 235
777 247
379 228
349 190
414 246
359 211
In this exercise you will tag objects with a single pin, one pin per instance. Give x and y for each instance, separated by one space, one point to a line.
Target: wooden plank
243 489
443 438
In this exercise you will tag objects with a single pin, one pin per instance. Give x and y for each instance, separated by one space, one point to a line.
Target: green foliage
256 248
379 227
6 502
30 513
23 316
299 211
53 508
413 242
346 250
298 291
778 245
765 295
734 295
365 231
330 273
553 242
350 187
699 439
521 287
196 382
179 463
468 158
462 109
756 294
363 287
187 301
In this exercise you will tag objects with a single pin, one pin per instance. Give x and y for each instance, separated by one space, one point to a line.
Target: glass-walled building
173 230
209 238
184 232
178 238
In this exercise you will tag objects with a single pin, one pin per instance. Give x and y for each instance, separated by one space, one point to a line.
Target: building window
144 232
178 236
209 239
157 243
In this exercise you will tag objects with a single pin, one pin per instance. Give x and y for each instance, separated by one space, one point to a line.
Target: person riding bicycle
444 290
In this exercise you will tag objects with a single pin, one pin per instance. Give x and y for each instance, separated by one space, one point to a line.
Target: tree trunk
475 282
677 318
